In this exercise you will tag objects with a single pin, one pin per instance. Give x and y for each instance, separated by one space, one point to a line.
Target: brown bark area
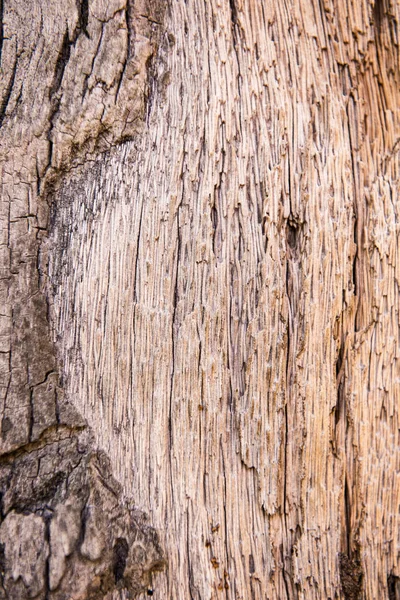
224 288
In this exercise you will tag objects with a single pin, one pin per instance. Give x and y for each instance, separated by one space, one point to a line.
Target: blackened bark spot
2 559
6 426
29 499
393 587
351 577
251 564
121 551
49 488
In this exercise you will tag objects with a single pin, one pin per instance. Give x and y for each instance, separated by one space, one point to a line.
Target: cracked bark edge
66 531
64 524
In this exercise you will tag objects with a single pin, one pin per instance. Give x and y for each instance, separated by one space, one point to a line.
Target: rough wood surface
74 81
227 300
224 289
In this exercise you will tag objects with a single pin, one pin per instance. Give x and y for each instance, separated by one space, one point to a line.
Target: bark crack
62 61
190 572
50 474
8 92
1 26
83 7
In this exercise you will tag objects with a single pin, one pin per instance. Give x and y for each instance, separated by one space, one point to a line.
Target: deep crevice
130 30
347 511
7 95
47 520
393 583
62 61
285 575
379 13
120 551
233 8
1 26
175 300
84 16
355 258
292 232
190 571
150 83
31 414
226 587
339 407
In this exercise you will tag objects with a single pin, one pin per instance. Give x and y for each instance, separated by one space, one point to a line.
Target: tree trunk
200 257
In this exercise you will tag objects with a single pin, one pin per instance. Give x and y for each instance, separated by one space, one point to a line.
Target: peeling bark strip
227 305
70 88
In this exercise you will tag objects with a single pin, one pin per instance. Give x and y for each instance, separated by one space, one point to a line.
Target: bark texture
73 83
224 288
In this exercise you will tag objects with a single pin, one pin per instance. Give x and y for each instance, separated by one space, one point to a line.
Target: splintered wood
224 288
228 300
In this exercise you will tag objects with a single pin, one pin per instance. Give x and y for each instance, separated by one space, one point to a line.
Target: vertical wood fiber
234 300
224 293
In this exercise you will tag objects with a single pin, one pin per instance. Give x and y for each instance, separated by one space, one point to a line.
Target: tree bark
200 251
73 79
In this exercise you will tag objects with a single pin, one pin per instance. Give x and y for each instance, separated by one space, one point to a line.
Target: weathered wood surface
224 290
73 83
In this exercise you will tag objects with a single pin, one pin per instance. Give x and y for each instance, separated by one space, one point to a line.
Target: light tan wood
223 291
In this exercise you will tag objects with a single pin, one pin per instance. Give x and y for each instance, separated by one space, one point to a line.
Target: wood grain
223 288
